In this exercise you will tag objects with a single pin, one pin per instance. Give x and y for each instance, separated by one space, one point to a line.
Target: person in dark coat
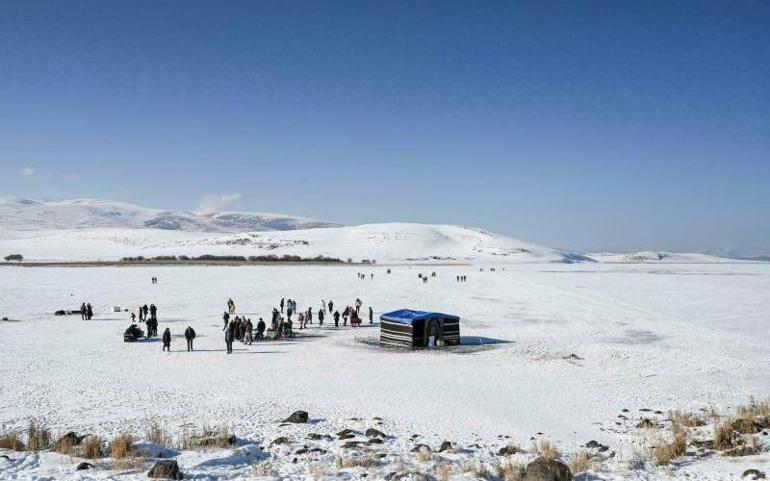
226 318
331 306
229 334
282 303
167 340
336 318
189 334
371 315
153 311
261 329
141 314
89 311
321 318
83 311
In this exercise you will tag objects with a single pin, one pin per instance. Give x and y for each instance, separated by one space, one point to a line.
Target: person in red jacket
167 340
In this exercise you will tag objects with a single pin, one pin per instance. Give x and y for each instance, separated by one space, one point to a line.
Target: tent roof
409 316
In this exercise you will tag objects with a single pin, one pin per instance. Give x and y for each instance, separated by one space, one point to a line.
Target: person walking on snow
141 314
336 318
371 315
133 318
358 306
83 311
229 332
226 318
167 340
189 334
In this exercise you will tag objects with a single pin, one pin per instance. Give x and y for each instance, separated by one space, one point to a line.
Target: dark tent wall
409 328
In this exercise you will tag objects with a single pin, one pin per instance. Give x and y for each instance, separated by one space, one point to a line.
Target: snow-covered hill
103 230
18 214
656 257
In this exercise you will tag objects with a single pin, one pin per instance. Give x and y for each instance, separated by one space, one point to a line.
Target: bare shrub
579 462
546 450
724 436
157 434
265 468
92 447
209 438
11 441
754 410
65 445
38 437
316 471
666 452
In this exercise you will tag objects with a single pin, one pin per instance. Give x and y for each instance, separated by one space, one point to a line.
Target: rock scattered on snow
446 446
547 470
374 433
508 451
82 466
279 441
645 424
298 417
754 473
168 469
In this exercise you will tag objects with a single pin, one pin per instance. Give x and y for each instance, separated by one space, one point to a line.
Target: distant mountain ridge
19 214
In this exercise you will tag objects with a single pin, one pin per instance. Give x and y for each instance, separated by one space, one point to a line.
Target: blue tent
409 316
410 328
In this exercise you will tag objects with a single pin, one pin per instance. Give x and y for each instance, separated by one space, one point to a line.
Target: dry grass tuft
92 447
665 452
579 462
191 439
509 471
724 436
754 410
38 437
685 419
546 450
122 448
11 441
444 472
354 462
316 471
265 468
157 434
477 469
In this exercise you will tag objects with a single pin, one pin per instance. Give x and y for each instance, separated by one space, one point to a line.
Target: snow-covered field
659 337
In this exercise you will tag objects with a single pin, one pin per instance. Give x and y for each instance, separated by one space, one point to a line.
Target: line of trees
209 257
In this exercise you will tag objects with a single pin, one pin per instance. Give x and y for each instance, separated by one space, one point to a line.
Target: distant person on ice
226 318
89 311
189 334
167 340
282 304
260 329
371 315
229 334
336 318
83 312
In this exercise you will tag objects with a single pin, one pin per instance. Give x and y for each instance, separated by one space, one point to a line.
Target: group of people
86 311
362 276
148 315
462 278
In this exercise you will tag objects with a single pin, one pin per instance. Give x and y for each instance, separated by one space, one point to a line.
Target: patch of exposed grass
546 450
38 437
472 467
685 419
509 471
157 434
579 462
11 441
724 436
354 462
665 452
92 447
122 450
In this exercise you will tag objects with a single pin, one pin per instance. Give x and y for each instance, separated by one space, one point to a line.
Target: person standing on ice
133 318
146 311
189 334
247 327
83 311
358 305
371 315
336 318
331 306
323 307
229 332
89 311
321 318
167 340
260 329
226 318
282 303
153 311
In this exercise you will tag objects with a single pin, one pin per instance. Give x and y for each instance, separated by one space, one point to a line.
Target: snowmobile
133 333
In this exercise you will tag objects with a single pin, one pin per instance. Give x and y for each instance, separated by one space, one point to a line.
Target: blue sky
583 125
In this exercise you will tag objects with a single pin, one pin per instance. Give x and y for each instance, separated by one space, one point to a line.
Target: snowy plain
658 337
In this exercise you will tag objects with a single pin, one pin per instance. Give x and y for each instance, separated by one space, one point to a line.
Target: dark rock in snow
345 432
375 441
301 451
421 447
645 423
83 466
547 470
351 444
508 451
754 473
445 446
315 436
167 469
298 417
318 451
69 439
347 436
374 433
279 441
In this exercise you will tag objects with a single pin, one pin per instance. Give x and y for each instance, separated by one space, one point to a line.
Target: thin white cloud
211 204
28 171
